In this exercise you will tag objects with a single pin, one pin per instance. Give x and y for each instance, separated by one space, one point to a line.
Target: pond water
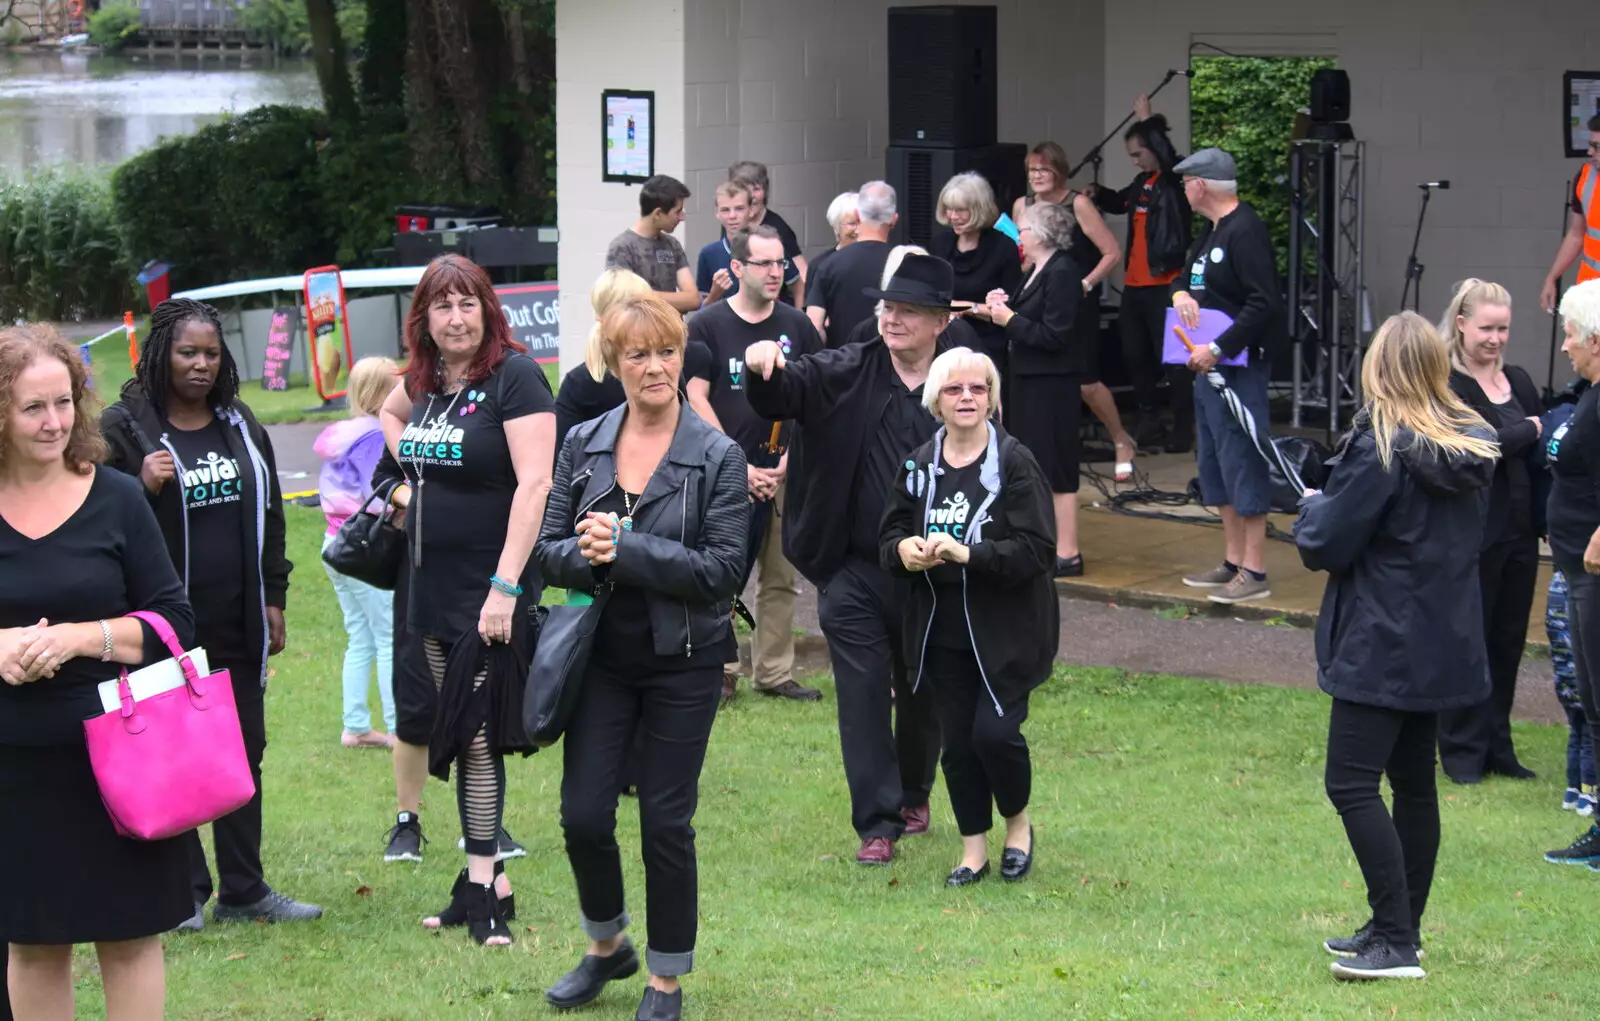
71 108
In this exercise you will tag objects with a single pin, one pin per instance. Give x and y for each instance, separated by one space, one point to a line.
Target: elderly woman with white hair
1574 520
1046 364
970 513
984 259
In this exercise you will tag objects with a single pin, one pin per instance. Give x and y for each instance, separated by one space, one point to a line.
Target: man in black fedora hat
858 414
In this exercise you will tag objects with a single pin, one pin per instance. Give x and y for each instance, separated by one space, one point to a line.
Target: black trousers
1583 621
1477 738
236 837
986 764
886 767
1396 852
671 714
1142 322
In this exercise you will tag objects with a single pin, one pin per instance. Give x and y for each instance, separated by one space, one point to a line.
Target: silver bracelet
108 646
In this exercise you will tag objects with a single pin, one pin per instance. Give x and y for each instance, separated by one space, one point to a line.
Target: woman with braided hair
209 473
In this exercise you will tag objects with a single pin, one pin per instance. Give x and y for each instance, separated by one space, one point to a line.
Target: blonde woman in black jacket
969 517
653 503
1400 634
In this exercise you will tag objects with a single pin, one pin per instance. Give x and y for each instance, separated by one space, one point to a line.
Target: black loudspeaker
918 174
942 81
1330 96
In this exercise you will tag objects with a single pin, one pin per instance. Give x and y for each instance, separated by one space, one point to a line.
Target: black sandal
484 918
455 913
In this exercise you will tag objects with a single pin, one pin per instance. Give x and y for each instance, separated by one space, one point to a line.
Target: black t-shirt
455 447
1574 454
905 426
836 287
213 498
726 335
582 397
1519 511
957 495
623 639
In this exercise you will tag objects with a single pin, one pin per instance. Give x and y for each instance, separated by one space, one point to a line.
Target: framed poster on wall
627 136
1581 92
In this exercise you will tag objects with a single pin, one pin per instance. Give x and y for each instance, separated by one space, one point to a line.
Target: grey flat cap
1209 165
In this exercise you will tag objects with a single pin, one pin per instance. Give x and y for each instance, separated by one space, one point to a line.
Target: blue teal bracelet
499 584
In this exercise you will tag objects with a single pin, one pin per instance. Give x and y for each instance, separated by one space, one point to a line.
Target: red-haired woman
472 425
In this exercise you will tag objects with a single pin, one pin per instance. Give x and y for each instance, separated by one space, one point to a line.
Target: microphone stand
1413 286
1555 320
1093 155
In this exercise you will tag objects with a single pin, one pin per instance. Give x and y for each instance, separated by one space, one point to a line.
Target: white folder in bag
151 680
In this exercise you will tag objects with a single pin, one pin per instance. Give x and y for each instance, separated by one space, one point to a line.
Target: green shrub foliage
114 24
60 255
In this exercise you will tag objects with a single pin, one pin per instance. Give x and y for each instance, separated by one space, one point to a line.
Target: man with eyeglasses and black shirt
1581 243
754 177
728 328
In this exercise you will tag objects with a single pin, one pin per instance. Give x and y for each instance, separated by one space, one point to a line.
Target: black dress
1043 406
993 264
65 874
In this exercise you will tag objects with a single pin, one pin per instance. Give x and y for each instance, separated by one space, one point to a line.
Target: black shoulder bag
369 547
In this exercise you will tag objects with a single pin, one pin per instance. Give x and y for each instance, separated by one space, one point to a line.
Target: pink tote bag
174 761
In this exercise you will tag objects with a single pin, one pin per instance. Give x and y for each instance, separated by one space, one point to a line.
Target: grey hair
875 203
842 204
1052 223
1580 307
969 191
955 360
1223 187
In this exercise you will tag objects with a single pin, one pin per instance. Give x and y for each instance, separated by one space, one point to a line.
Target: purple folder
1213 324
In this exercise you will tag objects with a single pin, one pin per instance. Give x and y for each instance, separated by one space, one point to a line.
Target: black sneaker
1582 851
509 848
405 839
1353 946
1379 960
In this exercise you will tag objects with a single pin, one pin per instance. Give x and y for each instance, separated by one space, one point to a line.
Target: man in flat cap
1232 269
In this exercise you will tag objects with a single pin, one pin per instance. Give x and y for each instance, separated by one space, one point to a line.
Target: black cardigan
1010 597
1041 331
1517 452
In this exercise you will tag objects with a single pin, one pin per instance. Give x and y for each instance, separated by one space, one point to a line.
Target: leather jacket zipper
683 536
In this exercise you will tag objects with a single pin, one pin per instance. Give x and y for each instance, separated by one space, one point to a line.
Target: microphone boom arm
1093 155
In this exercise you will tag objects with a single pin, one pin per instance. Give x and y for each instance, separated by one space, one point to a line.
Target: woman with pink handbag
79 551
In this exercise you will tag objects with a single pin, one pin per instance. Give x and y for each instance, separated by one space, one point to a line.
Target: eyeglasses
764 264
956 389
1041 170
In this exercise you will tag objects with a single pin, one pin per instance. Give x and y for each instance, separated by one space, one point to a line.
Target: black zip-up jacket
1010 598
686 549
1166 225
1241 279
1401 625
1520 457
133 429
836 400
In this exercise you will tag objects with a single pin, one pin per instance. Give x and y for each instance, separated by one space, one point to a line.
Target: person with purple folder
1232 270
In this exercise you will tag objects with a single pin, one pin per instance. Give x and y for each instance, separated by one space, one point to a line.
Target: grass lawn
1189 867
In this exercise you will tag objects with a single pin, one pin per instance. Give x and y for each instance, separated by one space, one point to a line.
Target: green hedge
60 252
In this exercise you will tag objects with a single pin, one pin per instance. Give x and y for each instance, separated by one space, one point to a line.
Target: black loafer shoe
1069 567
659 1006
1016 863
964 876
584 983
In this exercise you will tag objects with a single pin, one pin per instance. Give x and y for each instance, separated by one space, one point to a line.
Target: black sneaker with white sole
1582 851
405 839
1352 946
509 848
1378 959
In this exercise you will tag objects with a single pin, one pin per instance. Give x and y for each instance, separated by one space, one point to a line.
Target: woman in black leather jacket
1158 240
649 509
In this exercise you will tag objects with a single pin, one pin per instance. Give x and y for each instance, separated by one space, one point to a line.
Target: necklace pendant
627 523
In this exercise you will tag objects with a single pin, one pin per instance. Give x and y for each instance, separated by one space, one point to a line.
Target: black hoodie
133 428
1401 625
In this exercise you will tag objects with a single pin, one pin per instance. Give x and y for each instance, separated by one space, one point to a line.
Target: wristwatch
1216 350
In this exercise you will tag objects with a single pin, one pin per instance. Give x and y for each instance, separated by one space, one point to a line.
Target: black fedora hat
925 280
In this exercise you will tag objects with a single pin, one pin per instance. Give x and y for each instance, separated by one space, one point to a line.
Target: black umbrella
1262 440
766 455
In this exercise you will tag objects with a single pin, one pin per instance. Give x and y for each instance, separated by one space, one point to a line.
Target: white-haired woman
984 259
971 514
1574 516
844 219
1047 365
1475 740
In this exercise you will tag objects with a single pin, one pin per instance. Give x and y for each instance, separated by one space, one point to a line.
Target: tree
328 53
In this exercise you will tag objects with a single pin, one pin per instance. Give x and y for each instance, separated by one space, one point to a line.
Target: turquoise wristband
499 584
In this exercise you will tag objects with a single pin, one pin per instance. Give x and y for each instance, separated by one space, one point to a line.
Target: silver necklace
416 464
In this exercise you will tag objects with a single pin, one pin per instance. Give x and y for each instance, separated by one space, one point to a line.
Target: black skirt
1042 412
65 875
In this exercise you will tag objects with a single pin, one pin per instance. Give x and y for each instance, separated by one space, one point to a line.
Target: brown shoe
916 820
789 689
875 851
730 685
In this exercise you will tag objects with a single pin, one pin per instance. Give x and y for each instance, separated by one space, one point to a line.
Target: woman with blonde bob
650 511
971 514
984 259
1400 635
1476 740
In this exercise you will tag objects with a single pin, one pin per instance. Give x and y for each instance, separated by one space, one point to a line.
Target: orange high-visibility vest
1588 185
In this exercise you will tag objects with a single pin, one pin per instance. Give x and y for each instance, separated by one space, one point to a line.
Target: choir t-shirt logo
438 442
736 365
951 517
212 482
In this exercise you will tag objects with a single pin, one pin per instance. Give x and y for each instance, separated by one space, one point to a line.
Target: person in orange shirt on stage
1581 243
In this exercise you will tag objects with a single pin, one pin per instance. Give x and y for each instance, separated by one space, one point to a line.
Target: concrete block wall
1464 90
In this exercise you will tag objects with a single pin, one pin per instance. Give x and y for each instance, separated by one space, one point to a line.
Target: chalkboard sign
280 348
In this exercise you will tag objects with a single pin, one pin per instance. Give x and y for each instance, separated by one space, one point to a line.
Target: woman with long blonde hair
1400 635
1476 325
